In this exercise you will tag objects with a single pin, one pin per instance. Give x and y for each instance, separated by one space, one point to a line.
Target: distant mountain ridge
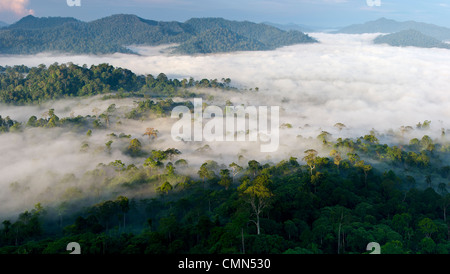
31 22
384 25
111 34
219 40
292 26
406 38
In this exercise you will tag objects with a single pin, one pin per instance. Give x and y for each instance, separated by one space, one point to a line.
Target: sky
318 13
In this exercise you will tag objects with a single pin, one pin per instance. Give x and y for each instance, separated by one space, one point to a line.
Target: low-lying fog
343 79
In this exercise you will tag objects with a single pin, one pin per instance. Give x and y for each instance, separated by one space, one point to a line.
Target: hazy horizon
323 13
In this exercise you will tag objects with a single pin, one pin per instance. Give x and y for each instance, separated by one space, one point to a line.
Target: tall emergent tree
258 195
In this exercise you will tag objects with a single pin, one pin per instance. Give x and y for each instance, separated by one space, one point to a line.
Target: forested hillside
111 34
410 38
384 25
219 40
22 85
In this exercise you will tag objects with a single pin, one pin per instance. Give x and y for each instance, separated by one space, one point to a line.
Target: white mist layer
345 78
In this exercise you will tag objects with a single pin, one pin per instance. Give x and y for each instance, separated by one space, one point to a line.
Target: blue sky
326 13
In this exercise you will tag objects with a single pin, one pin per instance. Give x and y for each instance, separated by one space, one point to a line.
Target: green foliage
22 85
410 37
135 147
220 35
7 125
160 108
365 192
219 40
111 34
64 80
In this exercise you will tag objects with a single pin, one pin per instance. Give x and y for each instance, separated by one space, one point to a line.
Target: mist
344 78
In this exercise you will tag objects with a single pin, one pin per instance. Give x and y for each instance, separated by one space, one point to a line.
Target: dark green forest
363 191
22 85
111 34
333 198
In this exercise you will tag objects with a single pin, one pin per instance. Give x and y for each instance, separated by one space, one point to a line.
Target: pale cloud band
18 7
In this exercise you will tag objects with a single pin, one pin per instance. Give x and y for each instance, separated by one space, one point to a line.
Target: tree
427 246
118 165
62 208
315 180
165 188
111 108
105 116
310 159
445 202
371 138
392 247
254 166
405 129
153 164
324 137
53 120
401 223
181 162
235 169
225 179
426 125
258 195
353 157
427 143
339 126
108 145
124 206
170 169
32 121
365 168
135 147
158 155
337 158
290 228
168 225
205 172
427 227
96 123
338 216
151 133
105 211
293 162
171 153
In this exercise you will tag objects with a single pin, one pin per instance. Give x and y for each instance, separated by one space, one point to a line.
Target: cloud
18 7
345 78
